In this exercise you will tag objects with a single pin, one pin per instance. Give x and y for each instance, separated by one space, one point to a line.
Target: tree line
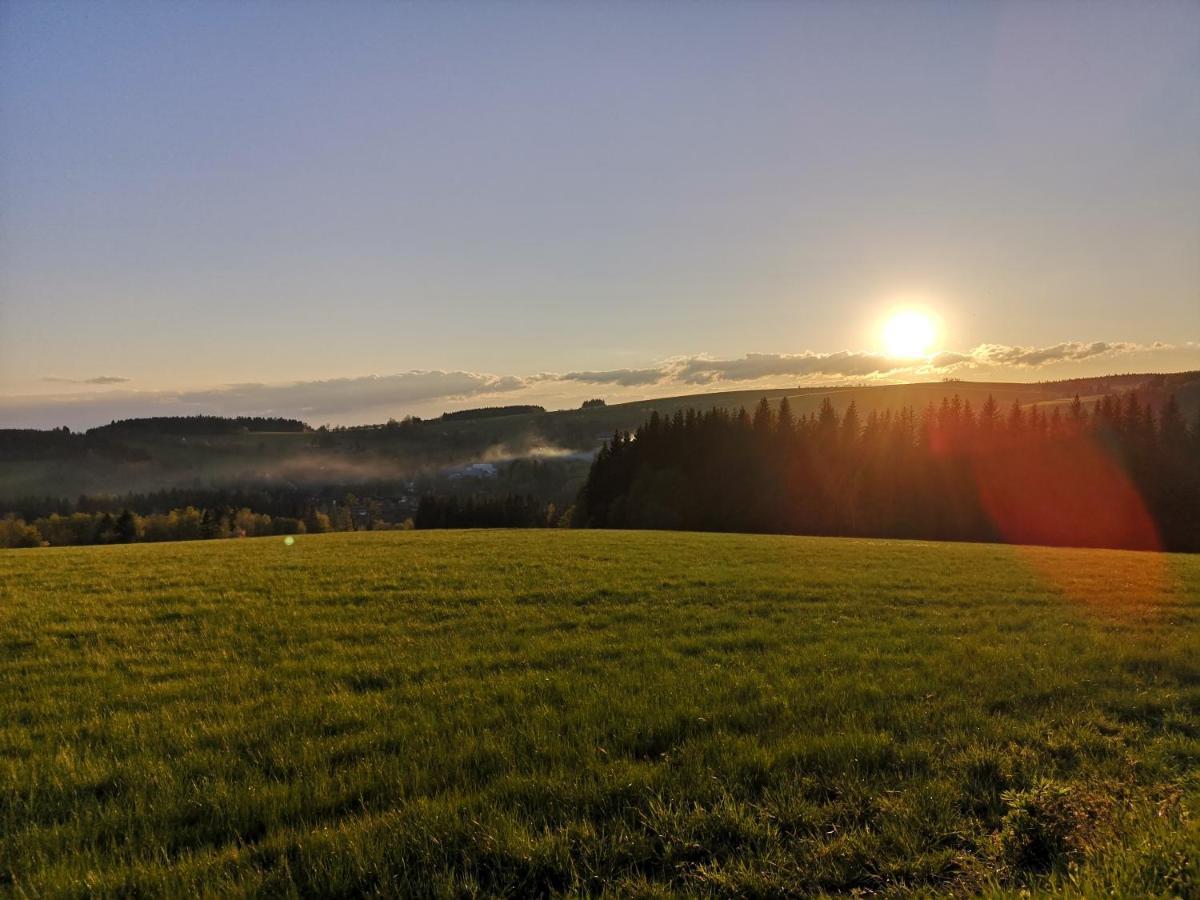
377 499
1117 473
1121 472
108 441
513 511
188 426
191 523
187 524
18 444
492 412
98 521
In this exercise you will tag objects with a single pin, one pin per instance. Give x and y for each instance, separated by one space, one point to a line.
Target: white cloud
1068 351
622 377
337 399
706 370
375 397
338 396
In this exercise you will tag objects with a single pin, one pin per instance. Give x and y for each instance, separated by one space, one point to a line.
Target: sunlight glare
909 334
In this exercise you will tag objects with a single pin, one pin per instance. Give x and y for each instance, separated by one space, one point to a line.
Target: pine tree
1077 412
1171 427
210 525
989 415
106 530
1016 418
762 417
784 423
968 420
827 419
850 425
126 527
1131 415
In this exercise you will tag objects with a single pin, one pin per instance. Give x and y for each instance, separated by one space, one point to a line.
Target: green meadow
539 713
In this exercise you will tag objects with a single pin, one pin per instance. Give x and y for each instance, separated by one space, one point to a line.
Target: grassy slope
638 712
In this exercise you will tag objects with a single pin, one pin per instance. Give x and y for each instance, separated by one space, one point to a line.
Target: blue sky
197 195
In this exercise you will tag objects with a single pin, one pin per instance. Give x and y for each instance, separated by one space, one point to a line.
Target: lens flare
1069 493
1074 494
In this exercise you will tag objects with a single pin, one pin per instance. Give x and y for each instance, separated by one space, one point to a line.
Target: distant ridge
200 425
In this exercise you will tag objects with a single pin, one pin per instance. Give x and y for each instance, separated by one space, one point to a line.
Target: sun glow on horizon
909 334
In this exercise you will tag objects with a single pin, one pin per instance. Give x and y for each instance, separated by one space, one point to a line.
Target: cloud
429 392
622 377
949 359
339 396
337 399
99 379
753 366
707 370
704 369
1068 351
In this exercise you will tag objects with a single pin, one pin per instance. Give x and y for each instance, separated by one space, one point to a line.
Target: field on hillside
532 713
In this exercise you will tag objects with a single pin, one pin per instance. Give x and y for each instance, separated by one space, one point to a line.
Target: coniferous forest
1116 473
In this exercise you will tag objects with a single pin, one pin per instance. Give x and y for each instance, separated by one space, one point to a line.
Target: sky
350 211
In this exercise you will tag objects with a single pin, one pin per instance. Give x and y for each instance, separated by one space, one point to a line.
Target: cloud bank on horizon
357 399
98 379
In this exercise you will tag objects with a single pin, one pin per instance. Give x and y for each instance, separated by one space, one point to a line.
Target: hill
806 401
151 455
449 713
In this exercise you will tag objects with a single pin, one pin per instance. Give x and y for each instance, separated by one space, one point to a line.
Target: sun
909 334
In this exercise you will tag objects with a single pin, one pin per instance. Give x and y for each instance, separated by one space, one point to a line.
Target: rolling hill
115 461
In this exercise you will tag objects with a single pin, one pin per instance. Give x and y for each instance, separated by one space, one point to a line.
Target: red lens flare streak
1072 492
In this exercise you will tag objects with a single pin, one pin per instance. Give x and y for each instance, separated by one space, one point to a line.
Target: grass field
533 713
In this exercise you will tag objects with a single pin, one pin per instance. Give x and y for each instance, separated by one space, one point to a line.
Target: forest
201 425
513 511
1121 473
517 493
